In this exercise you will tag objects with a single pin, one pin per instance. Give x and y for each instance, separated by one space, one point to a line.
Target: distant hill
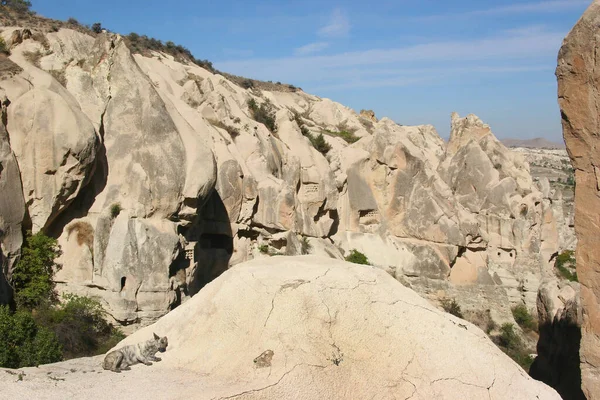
537 143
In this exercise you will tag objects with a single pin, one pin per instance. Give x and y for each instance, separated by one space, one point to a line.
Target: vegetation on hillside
3 47
452 307
357 257
264 114
40 329
511 344
564 262
21 6
525 320
318 142
348 136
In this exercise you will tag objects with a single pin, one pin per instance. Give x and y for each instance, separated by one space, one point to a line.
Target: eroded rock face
179 156
12 211
579 100
308 327
109 167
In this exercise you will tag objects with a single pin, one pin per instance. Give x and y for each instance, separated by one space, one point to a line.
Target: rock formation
579 100
557 361
158 177
308 327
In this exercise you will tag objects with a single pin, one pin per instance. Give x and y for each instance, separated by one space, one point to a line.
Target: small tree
97 27
115 210
33 273
452 307
320 144
305 246
23 343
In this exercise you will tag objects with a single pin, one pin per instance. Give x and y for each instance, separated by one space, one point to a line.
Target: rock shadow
558 362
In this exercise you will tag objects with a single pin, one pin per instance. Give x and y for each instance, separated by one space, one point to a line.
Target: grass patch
348 136
3 47
264 114
85 233
144 45
357 257
512 345
525 320
59 75
33 57
233 131
451 306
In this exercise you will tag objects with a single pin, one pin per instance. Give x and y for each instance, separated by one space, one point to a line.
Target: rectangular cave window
311 188
368 213
123 280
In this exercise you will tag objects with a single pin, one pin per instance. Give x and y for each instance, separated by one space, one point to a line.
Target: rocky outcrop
171 155
559 319
579 100
308 327
12 210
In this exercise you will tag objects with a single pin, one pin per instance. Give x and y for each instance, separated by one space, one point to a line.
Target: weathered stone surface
55 146
308 327
579 100
12 211
458 218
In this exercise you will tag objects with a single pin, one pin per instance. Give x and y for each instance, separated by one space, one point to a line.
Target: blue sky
414 61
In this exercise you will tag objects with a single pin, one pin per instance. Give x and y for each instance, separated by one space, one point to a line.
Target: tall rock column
578 76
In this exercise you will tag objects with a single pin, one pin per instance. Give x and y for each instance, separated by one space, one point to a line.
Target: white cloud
539 7
338 25
311 48
529 49
524 8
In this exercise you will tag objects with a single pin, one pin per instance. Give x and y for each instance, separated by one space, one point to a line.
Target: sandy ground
85 379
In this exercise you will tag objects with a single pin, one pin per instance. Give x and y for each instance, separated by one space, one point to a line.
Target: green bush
263 114
23 343
524 318
511 344
97 27
80 326
33 273
17 5
115 210
232 130
357 257
305 246
3 47
562 260
452 307
320 144
264 248
41 330
348 136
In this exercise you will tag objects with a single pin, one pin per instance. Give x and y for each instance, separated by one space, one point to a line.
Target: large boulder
12 210
579 101
312 328
55 145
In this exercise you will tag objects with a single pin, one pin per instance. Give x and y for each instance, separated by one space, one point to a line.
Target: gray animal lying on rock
120 359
